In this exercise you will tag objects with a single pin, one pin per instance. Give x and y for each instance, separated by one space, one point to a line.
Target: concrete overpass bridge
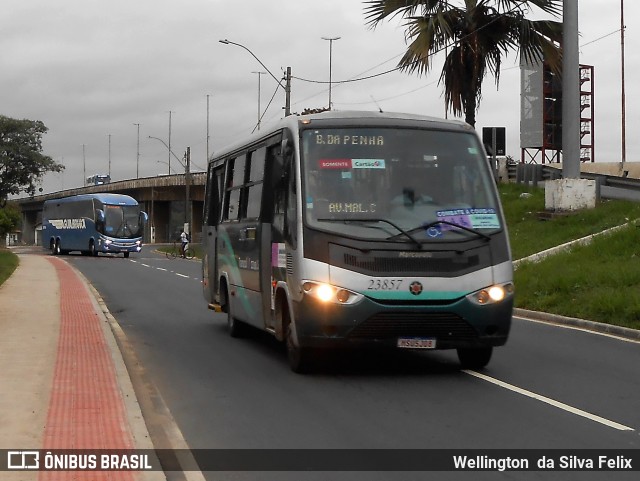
164 198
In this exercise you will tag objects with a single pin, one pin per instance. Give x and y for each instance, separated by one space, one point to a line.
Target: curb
599 327
155 419
567 245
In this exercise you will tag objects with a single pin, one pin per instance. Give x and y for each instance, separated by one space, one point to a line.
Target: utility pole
570 92
287 93
187 184
84 167
109 156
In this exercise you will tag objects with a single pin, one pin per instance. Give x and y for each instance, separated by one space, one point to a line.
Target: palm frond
379 10
478 34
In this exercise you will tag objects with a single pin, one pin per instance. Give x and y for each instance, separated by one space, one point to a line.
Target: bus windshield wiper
462 227
375 219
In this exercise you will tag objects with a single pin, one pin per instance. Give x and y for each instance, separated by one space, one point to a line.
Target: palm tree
476 36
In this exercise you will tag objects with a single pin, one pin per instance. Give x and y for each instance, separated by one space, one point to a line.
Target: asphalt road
548 388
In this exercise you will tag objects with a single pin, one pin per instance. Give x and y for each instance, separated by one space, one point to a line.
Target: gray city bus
353 229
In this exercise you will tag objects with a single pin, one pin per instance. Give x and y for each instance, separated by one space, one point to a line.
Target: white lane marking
552 402
578 328
167 270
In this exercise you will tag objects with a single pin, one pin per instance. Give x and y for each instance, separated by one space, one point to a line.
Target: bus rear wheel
237 328
477 358
55 247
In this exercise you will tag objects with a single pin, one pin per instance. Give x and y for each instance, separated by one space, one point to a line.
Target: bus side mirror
286 147
143 217
282 160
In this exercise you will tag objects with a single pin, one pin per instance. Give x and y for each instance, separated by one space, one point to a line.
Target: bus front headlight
492 294
328 293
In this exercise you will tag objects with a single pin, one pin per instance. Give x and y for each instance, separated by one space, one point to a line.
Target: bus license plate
416 343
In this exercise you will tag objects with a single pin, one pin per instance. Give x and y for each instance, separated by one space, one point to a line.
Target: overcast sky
92 69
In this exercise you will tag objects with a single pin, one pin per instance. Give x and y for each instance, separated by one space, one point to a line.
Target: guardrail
618 187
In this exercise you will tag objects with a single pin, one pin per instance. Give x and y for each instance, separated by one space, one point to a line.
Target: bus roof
346 118
112 199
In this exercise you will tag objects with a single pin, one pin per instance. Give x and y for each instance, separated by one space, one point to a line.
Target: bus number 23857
384 284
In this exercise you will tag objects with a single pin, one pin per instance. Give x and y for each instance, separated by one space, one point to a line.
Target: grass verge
8 263
598 282
528 234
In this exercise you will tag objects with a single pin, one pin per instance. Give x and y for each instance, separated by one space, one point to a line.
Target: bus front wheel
471 358
301 359
92 249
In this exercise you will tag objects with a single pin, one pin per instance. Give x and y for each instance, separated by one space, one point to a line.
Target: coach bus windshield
398 184
122 221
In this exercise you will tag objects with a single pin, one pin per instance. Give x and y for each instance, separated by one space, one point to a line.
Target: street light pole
169 146
624 126
138 153
570 91
207 130
287 111
259 75
331 39
84 166
170 152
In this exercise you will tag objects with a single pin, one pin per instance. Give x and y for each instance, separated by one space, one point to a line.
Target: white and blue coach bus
345 229
93 223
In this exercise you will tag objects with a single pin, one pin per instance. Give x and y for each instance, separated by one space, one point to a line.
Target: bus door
212 210
273 214
240 245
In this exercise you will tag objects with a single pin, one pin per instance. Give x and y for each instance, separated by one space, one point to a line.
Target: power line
600 38
453 42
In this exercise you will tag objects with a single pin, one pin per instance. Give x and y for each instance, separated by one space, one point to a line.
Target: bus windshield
122 221
398 184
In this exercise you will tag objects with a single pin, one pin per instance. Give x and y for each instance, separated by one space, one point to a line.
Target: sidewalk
64 384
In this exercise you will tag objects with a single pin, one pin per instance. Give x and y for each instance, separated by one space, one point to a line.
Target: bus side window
235 181
291 204
255 180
